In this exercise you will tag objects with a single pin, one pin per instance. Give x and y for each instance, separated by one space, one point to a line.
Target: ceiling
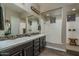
47 6
13 7
50 6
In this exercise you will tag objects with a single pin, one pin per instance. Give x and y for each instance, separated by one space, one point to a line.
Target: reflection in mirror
1 18
15 24
22 26
34 25
7 27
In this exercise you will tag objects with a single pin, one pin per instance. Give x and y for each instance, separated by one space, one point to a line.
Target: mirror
14 23
1 18
34 24
7 27
23 26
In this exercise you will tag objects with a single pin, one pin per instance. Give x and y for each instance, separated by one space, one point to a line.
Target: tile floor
52 52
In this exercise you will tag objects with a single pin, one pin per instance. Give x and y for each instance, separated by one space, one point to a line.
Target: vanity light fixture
35 10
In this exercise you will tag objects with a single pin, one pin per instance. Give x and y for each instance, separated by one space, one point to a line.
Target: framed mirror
1 18
34 24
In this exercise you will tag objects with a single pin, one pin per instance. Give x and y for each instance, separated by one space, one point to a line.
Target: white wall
53 31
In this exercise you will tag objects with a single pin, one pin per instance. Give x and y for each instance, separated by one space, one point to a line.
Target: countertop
6 44
73 48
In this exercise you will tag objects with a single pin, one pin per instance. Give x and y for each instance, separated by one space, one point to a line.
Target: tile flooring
52 52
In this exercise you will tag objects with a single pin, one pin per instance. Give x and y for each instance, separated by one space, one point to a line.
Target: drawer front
36 40
29 43
28 51
36 51
19 53
12 50
36 44
37 47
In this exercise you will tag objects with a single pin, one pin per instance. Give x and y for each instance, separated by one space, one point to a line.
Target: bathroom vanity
24 46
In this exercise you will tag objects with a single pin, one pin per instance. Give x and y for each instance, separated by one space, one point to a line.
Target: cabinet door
42 43
17 54
36 47
28 51
36 51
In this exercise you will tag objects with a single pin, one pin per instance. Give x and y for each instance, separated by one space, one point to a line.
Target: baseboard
56 48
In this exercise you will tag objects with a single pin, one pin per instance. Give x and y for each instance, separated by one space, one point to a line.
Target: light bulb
73 9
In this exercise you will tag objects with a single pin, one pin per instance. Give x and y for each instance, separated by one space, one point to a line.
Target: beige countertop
73 48
10 43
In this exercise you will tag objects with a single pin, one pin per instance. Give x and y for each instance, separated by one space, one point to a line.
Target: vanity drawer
11 51
36 47
36 44
15 49
29 43
36 40
18 53
36 51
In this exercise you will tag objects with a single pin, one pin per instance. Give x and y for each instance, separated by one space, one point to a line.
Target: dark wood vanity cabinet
36 47
14 51
42 43
19 53
31 48
39 45
28 50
